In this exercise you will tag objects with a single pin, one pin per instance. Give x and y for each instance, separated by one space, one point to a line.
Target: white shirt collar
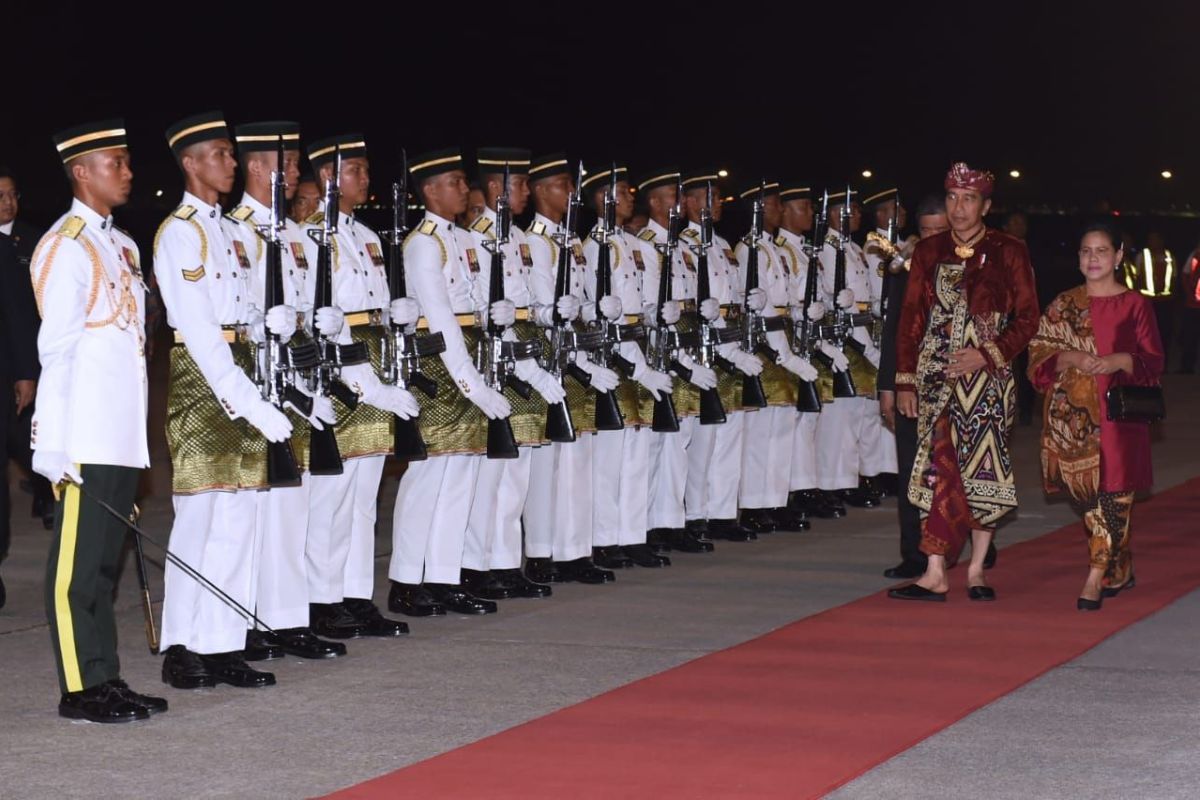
90 216
203 208
554 227
441 222
7 228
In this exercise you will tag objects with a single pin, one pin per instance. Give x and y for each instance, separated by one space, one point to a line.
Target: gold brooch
965 250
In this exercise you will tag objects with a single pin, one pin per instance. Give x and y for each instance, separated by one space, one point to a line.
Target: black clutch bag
1136 404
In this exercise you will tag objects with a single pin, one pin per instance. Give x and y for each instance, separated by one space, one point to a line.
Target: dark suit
18 355
906 429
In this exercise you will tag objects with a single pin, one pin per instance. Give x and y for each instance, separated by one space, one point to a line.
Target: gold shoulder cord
436 238
199 230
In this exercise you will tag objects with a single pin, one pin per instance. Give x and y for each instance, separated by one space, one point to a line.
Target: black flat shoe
155 705
687 540
231 668
334 621
542 570
301 642
789 519
376 624
730 530
458 601
610 557
905 570
260 646
482 583
659 540
3 594
414 601
1084 604
520 586
914 592
834 504
183 669
984 593
989 558
104 703
757 520
1113 591
582 570
643 556
859 498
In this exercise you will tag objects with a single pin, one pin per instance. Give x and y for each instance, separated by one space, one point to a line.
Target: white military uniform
620 459
280 574
767 451
340 552
715 452
840 428
558 511
494 529
433 501
877 451
205 285
804 444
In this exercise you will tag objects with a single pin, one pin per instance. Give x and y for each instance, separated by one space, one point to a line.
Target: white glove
670 312
861 336
816 311
550 389
610 307
55 466
503 313
272 423
710 309
603 378
281 321
748 363
404 311
392 398
322 410
845 298
329 321
840 364
657 383
493 404
757 299
568 307
256 327
796 313
702 377
798 366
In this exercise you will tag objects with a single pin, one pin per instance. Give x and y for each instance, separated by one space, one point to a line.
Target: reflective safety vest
1150 277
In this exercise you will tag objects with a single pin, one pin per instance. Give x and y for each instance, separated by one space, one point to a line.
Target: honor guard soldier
218 423
341 524
558 513
715 452
668 450
620 458
840 433
493 547
767 451
433 501
280 576
90 293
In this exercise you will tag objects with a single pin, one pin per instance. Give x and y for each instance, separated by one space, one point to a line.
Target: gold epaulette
690 233
315 218
241 214
481 225
428 227
646 235
184 212
780 241
72 227
538 228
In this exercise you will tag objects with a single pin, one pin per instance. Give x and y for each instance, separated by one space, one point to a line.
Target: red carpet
801 711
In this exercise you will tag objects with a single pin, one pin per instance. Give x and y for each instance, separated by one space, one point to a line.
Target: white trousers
433 506
280 575
558 510
804 454
493 539
839 429
215 533
877 445
340 554
767 457
668 474
715 468
620 486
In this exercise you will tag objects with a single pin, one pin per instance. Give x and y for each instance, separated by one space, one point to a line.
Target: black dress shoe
183 669
155 705
643 556
1084 604
914 592
1113 591
520 586
984 593
542 570
989 558
659 540
456 600
376 624
859 498
789 519
3 594
582 570
834 503
484 584
611 557
334 620
814 504
301 642
887 483
231 668
730 530
905 570
261 646
757 520
685 541
871 488
414 601
103 703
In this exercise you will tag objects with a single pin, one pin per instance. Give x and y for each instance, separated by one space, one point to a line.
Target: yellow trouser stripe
62 587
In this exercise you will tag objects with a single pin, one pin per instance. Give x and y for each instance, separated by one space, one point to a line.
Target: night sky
1090 105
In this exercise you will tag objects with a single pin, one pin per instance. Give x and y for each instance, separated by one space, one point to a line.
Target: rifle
664 345
712 411
324 456
808 399
887 248
843 319
495 358
143 577
276 361
565 341
402 350
753 328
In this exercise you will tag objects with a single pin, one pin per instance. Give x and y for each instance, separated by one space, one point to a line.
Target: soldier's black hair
1105 227
5 172
931 205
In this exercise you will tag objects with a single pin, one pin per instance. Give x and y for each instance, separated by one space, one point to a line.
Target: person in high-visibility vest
1152 273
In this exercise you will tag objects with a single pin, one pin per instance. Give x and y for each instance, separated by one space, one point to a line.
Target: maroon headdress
961 176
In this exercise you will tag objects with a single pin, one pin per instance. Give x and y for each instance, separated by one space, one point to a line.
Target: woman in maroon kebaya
1093 337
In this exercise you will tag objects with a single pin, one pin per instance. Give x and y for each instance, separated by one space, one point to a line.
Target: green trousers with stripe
81 576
